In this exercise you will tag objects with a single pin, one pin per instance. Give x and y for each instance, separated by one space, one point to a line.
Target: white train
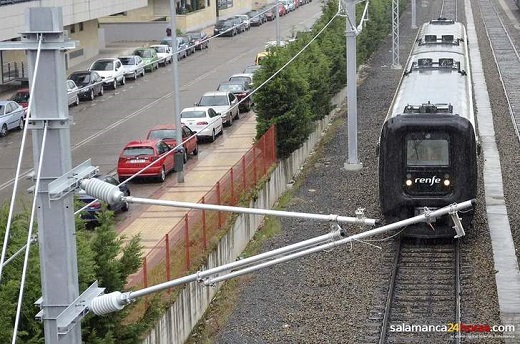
428 144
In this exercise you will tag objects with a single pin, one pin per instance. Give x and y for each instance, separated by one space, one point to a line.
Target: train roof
437 78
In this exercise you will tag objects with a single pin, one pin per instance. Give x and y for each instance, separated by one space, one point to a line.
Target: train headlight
447 182
408 182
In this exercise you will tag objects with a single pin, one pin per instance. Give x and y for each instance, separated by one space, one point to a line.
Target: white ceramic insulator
102 190
107 303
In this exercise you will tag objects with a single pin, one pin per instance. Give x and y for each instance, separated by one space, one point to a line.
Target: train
428 146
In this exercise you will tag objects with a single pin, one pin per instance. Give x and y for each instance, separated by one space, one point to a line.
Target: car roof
197 108
242 75
111 59
215 93
140 143
127 56
159 45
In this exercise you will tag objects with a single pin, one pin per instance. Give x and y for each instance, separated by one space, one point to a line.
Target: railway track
506 57
422 303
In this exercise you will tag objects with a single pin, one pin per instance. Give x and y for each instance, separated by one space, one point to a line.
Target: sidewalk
156 221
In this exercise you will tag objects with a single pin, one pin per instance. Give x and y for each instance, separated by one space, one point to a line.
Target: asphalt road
102 127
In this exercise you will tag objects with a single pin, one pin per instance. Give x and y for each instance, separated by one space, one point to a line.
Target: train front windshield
426 149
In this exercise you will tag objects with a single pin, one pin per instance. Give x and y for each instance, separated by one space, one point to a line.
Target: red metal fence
186 244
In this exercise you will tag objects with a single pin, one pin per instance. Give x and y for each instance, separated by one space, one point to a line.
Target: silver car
11 116
72 93
222 102
133 66
111 71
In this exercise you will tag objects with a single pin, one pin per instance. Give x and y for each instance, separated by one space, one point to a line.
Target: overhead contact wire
19 164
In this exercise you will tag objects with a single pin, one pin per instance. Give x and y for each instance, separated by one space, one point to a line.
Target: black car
241 90
256 18
89 215
225 28
190 44
239 24
89 83
200 38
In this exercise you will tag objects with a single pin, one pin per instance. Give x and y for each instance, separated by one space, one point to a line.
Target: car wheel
91 94
162 175
142 73
125 206
238 115
3 131
213 136
76 102
185 156
101 91
230 122
123 80
121 179
135 75
114 84
21 124
196 150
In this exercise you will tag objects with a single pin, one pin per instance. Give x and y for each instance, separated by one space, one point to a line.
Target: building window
72 28
81 26
209 3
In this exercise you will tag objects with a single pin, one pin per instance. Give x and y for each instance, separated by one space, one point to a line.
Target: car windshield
135 151
194 35
103 65
193 114
243 79
127 61
230 87
160 49
213 101
80 79
21 97
163 134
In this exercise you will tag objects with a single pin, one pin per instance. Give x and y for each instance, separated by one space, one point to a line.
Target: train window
424 149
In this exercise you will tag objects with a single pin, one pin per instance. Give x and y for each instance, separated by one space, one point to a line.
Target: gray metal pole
176 105
414 14
56 230
352 162
395 35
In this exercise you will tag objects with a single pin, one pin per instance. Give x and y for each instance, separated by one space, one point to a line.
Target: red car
168 133
138 154
22 97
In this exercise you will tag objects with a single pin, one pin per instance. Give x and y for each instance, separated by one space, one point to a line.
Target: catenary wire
19 164
29 234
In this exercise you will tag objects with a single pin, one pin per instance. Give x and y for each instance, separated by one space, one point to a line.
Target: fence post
254 165
219 202
145 273
204 236
187 241
264 153
244 178
168 268
232 186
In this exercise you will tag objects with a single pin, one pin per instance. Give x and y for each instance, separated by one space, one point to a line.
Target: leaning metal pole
395 35
352 162
56 229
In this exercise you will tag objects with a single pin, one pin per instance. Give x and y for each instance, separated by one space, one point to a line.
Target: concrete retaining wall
176 325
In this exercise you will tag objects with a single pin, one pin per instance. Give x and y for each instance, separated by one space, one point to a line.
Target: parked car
243 77
256 18
133 65
245 20
241 90
201 39
238 23
11 116
189 43
110 70
90 214
222 102
149 56
204 121
89 82
168 133
164 53
252 69
72 92
182 48
138 154
225 28
22 97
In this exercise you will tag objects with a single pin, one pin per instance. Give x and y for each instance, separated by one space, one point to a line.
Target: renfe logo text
431 181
